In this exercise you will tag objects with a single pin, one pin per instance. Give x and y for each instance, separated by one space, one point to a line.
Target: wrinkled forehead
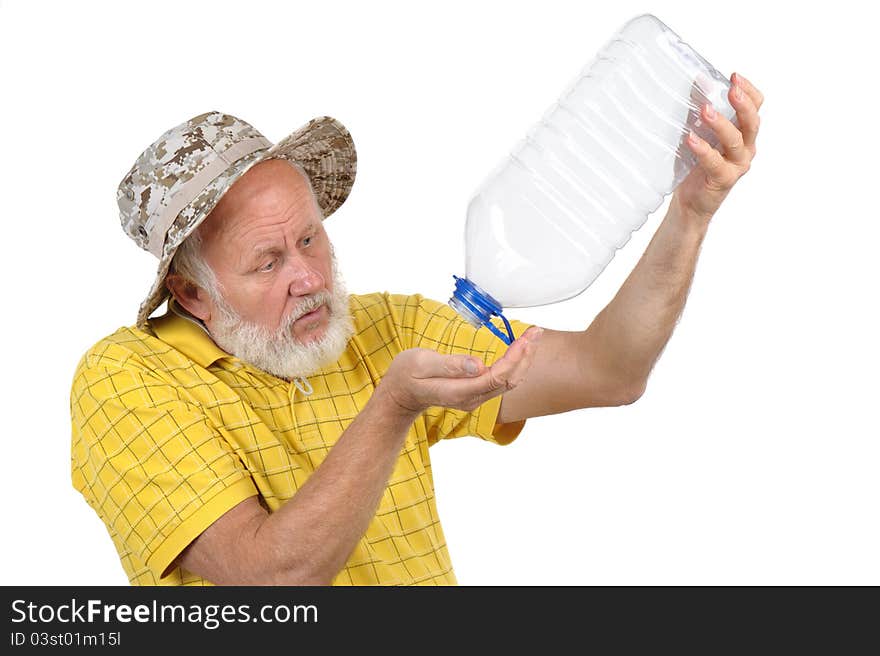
272 193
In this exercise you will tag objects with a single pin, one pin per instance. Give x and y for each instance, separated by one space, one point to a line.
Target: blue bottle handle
482 307
508 338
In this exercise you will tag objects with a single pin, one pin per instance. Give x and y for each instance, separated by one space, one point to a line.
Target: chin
311 338
311 334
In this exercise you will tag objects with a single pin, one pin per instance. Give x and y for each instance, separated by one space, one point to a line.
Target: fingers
730 138
754 95
436 365
737 141
452 385
746 100
510 370
719 173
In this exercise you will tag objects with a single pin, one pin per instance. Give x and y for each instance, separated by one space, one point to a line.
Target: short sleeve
153 468
425 323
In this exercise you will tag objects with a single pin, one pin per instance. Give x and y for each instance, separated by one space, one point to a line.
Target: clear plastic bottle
551 216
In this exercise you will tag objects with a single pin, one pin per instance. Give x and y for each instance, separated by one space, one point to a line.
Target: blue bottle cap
478 308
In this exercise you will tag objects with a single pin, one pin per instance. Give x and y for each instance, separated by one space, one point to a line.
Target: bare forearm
313 534
631 332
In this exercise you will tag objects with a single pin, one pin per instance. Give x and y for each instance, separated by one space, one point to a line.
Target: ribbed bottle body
551 216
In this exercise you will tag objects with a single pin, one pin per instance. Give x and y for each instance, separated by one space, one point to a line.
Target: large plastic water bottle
551 216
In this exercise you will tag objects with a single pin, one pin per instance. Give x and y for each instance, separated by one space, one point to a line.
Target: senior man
270 428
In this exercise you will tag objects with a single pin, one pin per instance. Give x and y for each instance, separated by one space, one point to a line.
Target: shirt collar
179 329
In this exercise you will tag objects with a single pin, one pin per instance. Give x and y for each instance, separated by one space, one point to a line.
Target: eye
306 241
268 266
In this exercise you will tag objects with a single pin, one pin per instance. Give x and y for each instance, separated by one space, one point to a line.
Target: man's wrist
389 406
687 220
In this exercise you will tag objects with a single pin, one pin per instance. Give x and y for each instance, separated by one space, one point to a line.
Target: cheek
265 304
326 267
277 301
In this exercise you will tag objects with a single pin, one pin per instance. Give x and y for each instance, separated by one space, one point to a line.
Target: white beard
277 351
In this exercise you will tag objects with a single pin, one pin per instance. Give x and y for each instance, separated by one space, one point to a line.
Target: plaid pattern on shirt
170 432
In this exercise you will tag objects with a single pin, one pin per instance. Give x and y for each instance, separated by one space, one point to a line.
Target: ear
191 297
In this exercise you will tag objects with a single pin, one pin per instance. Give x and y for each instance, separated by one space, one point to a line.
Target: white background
753 456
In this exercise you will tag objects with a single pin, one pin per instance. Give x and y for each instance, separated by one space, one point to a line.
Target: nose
304 278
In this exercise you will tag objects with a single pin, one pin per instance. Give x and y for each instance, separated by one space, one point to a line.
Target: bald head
268 189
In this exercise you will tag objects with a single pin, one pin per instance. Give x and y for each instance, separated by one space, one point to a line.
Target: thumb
465 365
435 365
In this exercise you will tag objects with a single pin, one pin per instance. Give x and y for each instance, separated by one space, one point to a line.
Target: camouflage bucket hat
180 178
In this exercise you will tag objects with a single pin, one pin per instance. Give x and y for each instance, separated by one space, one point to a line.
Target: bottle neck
477 308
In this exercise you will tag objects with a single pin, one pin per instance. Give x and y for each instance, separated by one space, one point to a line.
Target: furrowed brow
252 256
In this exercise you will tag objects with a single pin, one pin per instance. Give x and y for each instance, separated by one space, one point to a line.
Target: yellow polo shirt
170 432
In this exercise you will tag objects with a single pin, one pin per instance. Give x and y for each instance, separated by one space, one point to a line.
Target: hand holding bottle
701 193
551 216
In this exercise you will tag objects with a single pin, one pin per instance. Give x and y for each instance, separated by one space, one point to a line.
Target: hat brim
322 147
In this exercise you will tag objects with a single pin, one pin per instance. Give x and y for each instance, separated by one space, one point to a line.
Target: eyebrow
261 250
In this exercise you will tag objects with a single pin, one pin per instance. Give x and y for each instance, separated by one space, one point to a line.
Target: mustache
308 305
